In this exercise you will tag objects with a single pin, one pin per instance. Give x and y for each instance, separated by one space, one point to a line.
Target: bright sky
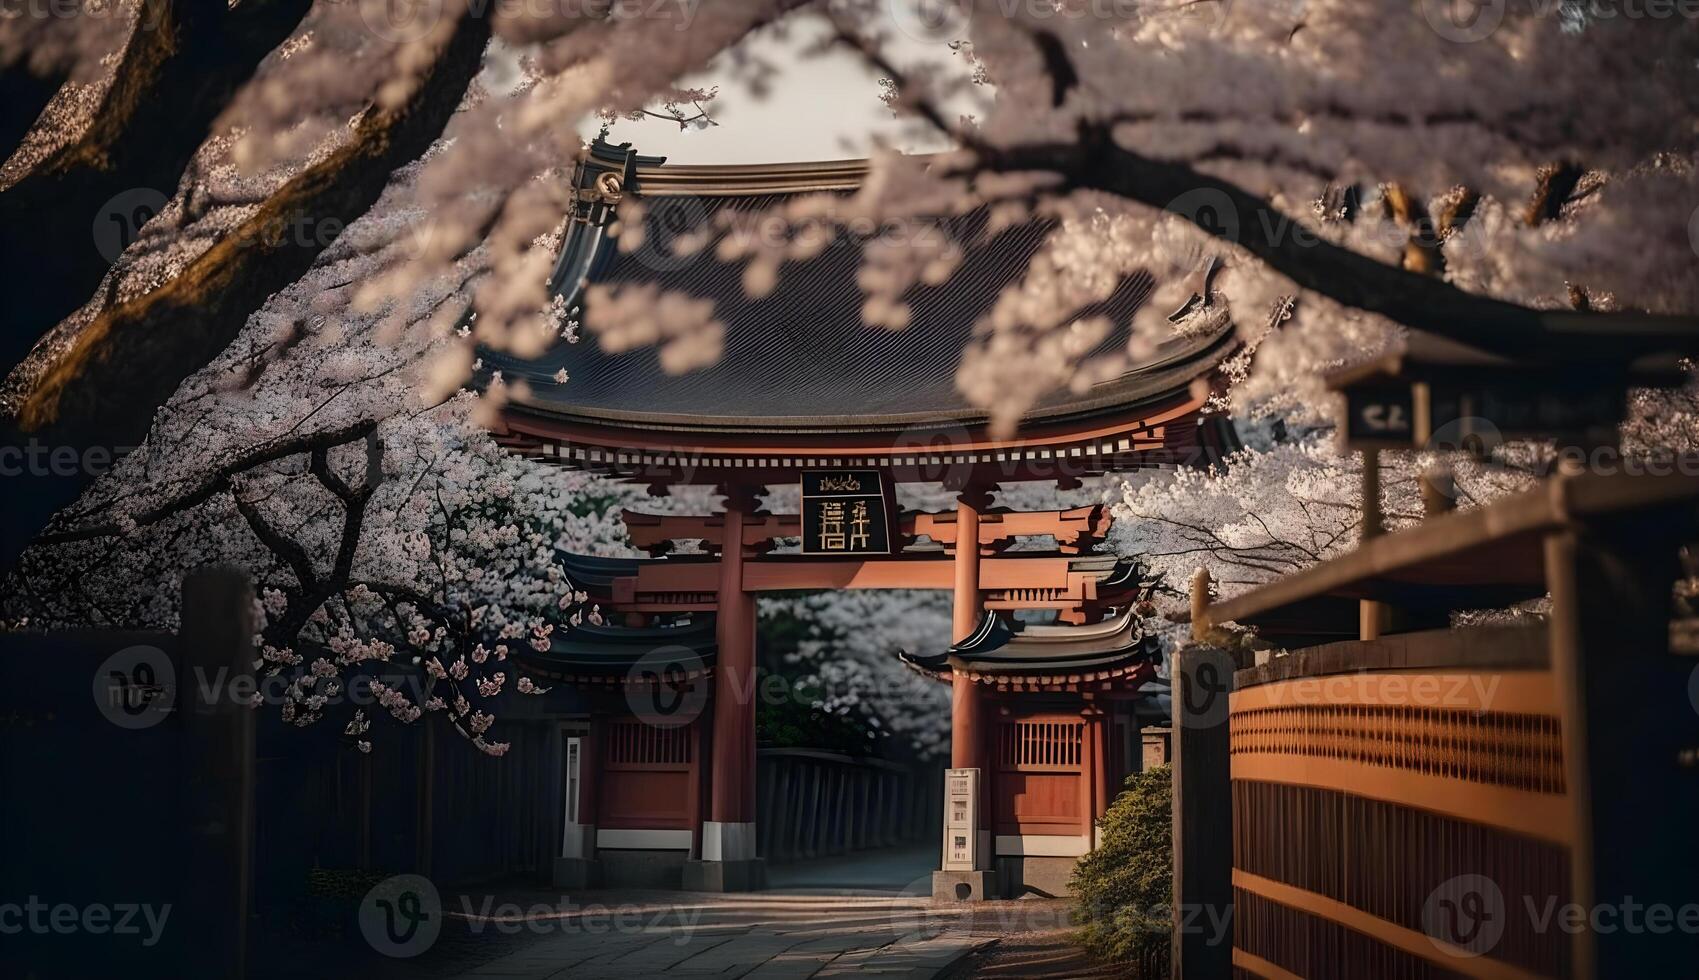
817 106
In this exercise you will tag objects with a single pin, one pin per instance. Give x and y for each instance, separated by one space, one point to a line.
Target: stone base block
725 876
1043 877
963 886
641 869
577 873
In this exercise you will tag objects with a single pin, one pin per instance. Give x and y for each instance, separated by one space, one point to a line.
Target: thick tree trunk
179 71
123 366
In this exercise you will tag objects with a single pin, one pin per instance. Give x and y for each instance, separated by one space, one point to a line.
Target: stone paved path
858 916
761 936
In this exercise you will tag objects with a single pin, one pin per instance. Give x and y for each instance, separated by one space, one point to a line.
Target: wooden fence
1486 801
814 804
220 810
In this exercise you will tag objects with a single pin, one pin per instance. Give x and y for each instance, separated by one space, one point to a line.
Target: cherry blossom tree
352 196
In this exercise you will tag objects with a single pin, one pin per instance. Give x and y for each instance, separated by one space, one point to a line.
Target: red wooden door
1037 787
646 777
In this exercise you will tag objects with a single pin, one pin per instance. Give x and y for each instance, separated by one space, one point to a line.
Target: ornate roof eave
1125 677
609 173
615 580
1104 420
1152 386
998 653
629 655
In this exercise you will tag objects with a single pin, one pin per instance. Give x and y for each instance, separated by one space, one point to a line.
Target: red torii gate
785 404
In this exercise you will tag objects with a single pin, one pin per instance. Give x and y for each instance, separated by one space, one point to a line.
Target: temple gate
1044 718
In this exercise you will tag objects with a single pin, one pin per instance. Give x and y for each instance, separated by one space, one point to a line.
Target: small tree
1123 889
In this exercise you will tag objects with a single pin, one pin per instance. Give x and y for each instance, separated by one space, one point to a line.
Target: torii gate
806 392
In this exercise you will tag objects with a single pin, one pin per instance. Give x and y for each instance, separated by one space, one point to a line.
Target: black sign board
1380 416
845 512
1394 414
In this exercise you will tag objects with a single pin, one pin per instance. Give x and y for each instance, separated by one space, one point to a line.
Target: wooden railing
1391 820
1512 801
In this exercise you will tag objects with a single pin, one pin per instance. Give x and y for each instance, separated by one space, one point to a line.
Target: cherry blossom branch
285 548
1351 279
219 480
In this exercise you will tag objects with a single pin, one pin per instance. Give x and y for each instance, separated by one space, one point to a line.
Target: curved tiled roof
628 654
999 647
801 356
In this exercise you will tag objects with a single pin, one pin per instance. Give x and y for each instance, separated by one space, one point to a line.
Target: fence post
1628 730
217 768
1203 805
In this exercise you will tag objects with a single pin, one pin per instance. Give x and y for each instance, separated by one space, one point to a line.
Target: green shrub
1123 889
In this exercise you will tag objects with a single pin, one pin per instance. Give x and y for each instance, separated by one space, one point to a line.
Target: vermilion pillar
964 698
728 858
967 702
